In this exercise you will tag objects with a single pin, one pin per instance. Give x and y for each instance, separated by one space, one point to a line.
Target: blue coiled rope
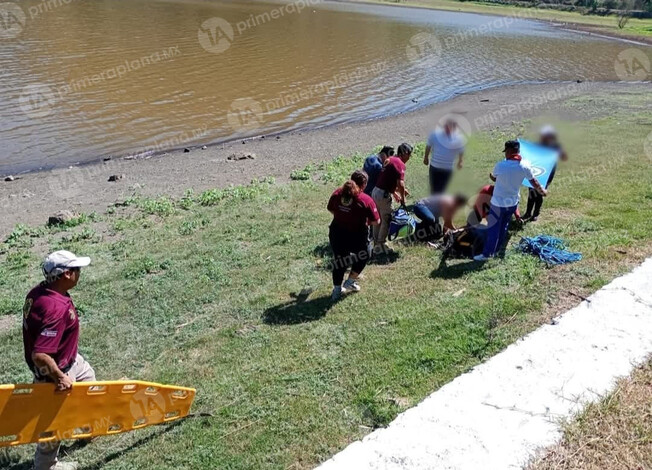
549 249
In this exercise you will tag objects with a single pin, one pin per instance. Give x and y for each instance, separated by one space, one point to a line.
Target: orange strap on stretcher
38 413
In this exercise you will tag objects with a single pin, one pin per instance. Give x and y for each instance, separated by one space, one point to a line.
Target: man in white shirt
508 175
444 145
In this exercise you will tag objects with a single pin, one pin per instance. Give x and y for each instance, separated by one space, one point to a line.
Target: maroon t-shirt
393 172
354 216
51 326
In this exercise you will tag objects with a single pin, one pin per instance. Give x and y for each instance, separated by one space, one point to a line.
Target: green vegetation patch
228 291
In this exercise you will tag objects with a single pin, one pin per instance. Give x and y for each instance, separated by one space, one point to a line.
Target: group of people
362 207
362 212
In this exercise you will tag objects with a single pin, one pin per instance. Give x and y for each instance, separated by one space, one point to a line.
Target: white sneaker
480 258
351 285
65 466
336 294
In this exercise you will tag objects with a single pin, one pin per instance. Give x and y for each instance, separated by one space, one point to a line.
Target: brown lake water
84 79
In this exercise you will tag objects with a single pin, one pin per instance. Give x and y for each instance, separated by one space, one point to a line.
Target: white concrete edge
502 412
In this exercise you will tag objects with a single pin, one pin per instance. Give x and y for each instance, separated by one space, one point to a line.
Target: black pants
350 249
439 179
535 200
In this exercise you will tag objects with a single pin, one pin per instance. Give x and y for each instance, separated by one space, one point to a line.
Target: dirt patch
6 323
614 433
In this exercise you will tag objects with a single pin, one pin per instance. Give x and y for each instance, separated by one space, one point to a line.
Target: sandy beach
32 197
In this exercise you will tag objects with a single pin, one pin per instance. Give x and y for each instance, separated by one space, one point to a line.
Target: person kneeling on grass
431 208
50 339
508 176
353 211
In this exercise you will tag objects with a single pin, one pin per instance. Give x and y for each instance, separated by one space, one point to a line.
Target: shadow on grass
119 453
454 271
298 310
67 451
20 466
324 252
385 258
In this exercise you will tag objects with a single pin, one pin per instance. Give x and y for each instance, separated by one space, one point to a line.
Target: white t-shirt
444 148
509 177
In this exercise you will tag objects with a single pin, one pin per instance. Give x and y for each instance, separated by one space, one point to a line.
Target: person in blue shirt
373 165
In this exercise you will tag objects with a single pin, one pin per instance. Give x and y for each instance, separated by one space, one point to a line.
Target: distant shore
637 30
32 197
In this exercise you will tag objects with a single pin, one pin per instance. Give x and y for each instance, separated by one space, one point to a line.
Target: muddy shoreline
32 197
591 30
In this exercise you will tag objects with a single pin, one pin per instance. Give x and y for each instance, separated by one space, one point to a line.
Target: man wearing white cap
51 337
547 138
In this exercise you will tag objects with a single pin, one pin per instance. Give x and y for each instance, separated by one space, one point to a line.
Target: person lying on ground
373 165
482 205
508 175
390 182
547 138
353 211
51 339
444 145
431 208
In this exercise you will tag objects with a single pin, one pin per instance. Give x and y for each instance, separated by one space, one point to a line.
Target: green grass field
228 291
634 28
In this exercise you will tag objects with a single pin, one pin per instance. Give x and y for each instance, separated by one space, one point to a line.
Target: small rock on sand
114 178
243 156
61 217
186 150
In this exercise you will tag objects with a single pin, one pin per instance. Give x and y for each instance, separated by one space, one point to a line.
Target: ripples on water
329 64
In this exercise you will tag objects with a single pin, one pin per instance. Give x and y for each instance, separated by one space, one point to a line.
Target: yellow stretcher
38 413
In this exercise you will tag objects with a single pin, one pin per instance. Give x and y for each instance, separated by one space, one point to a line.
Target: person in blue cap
373 165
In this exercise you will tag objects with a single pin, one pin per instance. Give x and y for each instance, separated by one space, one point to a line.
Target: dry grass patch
615 433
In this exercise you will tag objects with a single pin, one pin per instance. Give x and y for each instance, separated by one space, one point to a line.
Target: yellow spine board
32 413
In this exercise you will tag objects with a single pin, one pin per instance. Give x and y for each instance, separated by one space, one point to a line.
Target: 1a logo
37 100
12 20
66 183
148 403
423 49
245 114
632 64
215 35
462 128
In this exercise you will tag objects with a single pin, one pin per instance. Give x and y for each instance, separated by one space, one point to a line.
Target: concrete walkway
499 414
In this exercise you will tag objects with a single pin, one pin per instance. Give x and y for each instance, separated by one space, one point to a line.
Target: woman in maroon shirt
353 211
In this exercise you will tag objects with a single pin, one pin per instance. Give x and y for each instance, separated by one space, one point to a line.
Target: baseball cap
547 130
62 260
512 145
387 150
404 148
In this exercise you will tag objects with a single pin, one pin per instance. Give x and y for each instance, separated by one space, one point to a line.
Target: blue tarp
542 159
